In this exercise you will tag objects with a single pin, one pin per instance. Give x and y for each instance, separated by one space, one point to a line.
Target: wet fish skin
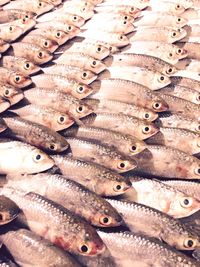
181 139
162 161
35 134
8 210
46 116
25 24
100 154
128 92
178 121
182 106
4 104
112 106
40 40
3 125
20 64
187 93
192 49
140 60
59 101
188 187
123 124
58 225
11 94
81 60
14 78
26 158
151 222
10 33
3 46
95 177
36 250
31 52
123 143
160 196
168 6
182 81
119 9
71 195
14 14
82 10
139 251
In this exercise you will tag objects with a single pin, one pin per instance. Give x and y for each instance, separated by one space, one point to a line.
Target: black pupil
98 49
157 105
122 165
46 43
190 243
118 187
199 127
162 78
84 249
105 220
94 63
62 119
124 22
17 78
80 108
81 89
6 92
38 157
52 147
146 115
179 51
27 65
174 34
70 28
198 171
170 54
186 201
125 17
170 70
146 129
40 54
58 34
10 28
133 148
75 18
84 74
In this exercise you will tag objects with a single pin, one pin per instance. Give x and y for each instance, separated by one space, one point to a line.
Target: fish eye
170 55
122 165
186 202
198 128
133 148
179 19
61 119
27 16
170 70
173 34
94 63
125 22
156 105
99 49
125 17
80 109
104 220
10 28
69 28
17 78
46 44
58 34
121 37
84 75
52 147
37 158
162 78
177 7
74 18
189 243
83 9
132 9
197 171
85 249
146 116
40 4
146 129
27 66
80 89
40 55
179 51
7 92
198 97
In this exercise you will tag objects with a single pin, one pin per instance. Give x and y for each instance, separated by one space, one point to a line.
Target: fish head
62 121
37 161
136 146
42 56
18 80
180 22
87 76
176 34
28 14
26 23
159 105
149 115
86 11
41 7
124 165
56 143
147 129
81 109
11 32
75 19
169 70
96 65
12 94
161 80
72 30
99 51
188 241
8 210
177 8
49 45
82 90
27 67
60 36
126 26
122 40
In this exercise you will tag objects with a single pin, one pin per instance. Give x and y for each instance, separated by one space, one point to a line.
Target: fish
14 78
26 158
143 61
56 34
10 15
153 223
188 64
168 162
37 6
113 106
123 143
3 46
186 3
35 250
31 52
71 195
183 92
168 52
169 35
3 2
35 134
95 50
79 74
3 125
187 82
143 251
187 187
10 33
58 225
8 210
151 79
161 196
168 6
46 116
160 19
130 10
193 32
40 40
53 2
123 124
82 61
84 11
100 154
194 224
184 140
182 106
4 104
24 66
138 4
96 178
11 94
25 24
192 49
191 74
59 101
178 121
128 92
65 84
